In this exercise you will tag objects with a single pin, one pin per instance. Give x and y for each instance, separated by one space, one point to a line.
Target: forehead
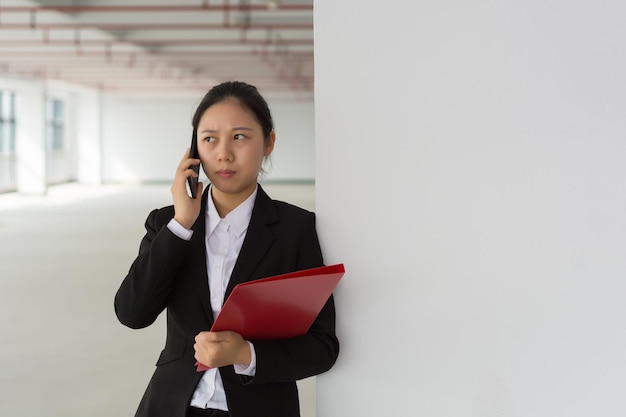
228 113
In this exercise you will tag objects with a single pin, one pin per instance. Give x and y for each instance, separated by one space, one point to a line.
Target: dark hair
245 94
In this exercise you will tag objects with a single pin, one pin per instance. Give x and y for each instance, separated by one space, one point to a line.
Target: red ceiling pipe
160 26
165 42
155 8
45 55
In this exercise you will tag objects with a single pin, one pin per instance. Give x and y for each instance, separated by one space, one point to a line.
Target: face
231 147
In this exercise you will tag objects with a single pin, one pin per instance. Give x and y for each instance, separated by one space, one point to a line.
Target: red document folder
277 307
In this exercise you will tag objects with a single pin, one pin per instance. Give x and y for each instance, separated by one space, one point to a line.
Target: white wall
89 134
81 158
471 176
293 158
121 139
145 137
30 141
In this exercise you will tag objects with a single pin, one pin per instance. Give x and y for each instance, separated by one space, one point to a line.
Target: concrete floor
62 257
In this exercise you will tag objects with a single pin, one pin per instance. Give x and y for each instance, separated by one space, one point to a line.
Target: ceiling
160 45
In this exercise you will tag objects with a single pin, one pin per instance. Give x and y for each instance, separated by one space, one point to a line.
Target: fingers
215 337
207 350
185 170
215 349
204 337
185 166
200 188
186 208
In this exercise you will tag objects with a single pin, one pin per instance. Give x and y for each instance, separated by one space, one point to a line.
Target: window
7 123
7 141
55 125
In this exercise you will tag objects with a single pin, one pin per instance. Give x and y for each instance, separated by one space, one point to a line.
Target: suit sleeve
310 354
144 293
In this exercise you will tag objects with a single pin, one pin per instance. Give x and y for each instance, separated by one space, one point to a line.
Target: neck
225 202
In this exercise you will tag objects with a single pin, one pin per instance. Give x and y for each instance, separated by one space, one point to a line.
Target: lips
225 173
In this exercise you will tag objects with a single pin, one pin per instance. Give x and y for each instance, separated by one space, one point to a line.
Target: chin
227 188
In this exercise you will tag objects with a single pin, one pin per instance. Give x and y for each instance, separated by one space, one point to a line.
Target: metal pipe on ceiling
155 43
226 7
46 55
158 26
285 64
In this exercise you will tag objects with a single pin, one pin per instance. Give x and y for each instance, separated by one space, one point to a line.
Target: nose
225 152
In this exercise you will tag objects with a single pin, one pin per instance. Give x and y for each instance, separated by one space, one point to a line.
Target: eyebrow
233 129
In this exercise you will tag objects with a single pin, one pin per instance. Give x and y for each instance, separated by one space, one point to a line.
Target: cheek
260 158
203 154
254 155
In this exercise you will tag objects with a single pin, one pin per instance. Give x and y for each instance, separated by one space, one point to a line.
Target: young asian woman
193 254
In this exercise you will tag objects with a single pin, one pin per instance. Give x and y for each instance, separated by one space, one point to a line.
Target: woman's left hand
215 349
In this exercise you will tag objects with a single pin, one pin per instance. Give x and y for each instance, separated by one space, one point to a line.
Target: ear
269 144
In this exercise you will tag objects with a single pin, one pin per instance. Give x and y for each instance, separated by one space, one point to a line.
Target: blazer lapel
258 240
198 257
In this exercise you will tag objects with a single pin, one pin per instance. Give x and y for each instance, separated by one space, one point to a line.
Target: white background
160 130
472 180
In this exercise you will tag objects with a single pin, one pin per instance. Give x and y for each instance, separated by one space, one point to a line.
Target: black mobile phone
193 153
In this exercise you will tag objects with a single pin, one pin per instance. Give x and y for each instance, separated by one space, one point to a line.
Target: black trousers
206 412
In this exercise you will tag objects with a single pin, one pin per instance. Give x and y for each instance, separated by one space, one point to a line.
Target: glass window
55 125
7 122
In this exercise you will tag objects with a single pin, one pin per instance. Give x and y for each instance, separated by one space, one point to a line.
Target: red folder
277 307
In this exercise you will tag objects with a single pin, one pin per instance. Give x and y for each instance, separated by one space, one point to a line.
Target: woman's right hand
186 209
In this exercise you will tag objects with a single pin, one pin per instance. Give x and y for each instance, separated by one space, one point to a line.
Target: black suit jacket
170 273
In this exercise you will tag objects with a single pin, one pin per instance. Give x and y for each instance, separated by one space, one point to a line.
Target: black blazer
170 273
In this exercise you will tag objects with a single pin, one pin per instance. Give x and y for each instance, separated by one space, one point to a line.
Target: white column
470 175
89 137
31 138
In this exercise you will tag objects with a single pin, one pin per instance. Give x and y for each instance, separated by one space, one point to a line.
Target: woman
197 250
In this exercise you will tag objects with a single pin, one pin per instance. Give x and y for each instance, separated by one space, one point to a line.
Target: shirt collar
237 220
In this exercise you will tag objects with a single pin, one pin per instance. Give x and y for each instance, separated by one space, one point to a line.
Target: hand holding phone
193 153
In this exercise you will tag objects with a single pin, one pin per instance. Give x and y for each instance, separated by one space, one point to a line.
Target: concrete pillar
31 138
89 137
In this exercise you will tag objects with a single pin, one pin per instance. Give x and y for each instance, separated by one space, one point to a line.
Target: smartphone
193 182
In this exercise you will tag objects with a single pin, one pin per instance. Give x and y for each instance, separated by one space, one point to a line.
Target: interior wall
293 158
470 175
160 130
144 138
89 134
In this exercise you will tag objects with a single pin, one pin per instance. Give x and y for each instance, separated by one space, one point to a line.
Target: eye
209 139
239 136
